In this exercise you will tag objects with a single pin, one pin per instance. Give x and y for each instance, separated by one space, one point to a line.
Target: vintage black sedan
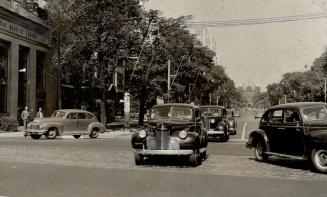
215 121
172 130
293 130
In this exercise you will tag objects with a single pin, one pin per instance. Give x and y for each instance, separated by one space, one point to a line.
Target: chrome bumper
163 152
216 132
33 131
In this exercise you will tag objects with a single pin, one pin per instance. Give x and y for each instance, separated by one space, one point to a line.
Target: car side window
265 117
291 116
71 116
277 116
89 116
81 116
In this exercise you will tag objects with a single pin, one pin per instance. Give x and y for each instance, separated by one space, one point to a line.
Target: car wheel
94 133
203 155
259 152
139 159
225 138
35 136
195 159
76 136
52 134
319 160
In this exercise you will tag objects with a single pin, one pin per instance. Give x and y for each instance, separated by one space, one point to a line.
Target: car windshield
315 113
172 112
211 111
58 114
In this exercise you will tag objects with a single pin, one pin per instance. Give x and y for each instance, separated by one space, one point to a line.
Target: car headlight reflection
42 126
220 128
182 134
142 134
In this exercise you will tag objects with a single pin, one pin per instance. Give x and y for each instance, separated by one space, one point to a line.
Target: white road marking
243 132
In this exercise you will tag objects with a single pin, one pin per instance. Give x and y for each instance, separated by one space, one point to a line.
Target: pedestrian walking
39 114
25 117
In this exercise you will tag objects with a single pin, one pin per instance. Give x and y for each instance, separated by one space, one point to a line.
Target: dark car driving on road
293 130
172 130
215 121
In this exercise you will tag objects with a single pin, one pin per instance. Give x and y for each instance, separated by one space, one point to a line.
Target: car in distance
215 121
172 130
293 130
65 122
232 122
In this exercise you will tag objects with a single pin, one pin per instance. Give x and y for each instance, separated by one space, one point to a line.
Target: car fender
257 135
98 125
317 139
57 125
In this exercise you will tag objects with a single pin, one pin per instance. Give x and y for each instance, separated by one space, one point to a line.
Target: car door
275 130
82 122
70 124
294 133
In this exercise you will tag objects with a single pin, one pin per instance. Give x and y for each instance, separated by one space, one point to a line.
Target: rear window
315 113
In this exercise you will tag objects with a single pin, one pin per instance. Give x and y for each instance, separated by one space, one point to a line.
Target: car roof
298 105
73 110
176 104
212 106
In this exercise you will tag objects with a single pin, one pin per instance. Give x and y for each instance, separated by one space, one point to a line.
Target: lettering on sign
20 31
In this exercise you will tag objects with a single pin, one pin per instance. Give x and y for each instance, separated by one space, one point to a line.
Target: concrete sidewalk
108 134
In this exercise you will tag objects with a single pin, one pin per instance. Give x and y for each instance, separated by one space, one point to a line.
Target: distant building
25 76
248 91
206 40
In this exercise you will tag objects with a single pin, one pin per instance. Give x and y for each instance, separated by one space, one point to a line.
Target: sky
259 53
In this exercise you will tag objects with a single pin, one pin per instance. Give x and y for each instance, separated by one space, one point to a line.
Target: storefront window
4 48
22 77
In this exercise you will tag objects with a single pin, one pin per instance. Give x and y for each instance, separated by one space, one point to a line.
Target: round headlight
43 126
212 121
182 134
220 128
142 134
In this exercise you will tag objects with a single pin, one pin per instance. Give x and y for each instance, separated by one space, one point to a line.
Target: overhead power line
256 21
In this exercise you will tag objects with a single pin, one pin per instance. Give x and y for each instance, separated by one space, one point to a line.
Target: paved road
105 167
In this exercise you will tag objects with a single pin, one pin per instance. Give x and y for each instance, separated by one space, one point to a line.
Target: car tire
139 159
94 133
319 160
193 159
203 155
225 138
35 136
259 150
76 136
52 133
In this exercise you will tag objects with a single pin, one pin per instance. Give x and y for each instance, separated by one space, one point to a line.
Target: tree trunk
144 92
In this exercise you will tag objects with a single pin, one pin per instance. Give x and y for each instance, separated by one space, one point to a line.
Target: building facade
248 92
25 75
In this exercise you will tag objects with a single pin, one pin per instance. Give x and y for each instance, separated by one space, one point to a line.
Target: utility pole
325 88
168 82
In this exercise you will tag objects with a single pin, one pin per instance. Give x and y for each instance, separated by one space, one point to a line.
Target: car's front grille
162 141
35 126
211 123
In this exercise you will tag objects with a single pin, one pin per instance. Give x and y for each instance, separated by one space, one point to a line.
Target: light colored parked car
65 122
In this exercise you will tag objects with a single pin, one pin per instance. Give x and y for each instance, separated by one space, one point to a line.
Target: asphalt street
105 167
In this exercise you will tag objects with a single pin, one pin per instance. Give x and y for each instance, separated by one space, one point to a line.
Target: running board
285 156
